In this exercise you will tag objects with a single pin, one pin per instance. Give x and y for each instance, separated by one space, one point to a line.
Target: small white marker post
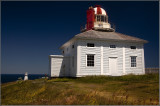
26 76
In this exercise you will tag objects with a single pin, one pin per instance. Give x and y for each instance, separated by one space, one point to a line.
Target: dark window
102 18
90 60
133 47
63 52
133 61
98 18
105 19
72 46
90 44
112 46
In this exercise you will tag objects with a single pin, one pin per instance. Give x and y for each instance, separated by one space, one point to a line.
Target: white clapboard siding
84 50
107 52
122 52
113 52
71 52
57 68
139 60
66 65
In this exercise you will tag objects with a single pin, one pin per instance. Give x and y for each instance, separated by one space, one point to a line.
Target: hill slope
93 90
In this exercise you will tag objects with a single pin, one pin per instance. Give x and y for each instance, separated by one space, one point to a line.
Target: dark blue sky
31 31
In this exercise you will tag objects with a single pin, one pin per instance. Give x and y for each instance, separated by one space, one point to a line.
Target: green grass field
91 90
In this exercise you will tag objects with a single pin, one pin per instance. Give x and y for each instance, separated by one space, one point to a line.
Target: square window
90 44
133 47
112 46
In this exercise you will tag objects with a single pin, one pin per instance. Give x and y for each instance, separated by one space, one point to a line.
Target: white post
143 61
101 60
26 76
124 66
78 58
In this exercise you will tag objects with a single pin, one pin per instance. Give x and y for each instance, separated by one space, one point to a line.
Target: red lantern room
97 19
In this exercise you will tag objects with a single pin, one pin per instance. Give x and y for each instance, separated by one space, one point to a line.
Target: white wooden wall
112 52
140 62
59 66
71 53
83 51
56 66
103 52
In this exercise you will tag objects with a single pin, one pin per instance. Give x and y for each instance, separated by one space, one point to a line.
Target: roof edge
68 42
142 41
56 56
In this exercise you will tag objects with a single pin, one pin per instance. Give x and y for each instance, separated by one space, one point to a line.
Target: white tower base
26 76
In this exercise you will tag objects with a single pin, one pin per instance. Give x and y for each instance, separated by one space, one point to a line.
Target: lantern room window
98 18
101 18
105 19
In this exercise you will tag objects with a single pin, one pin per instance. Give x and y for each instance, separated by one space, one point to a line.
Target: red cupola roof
99 10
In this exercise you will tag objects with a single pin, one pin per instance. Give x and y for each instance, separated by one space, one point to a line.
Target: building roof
101 35
102 11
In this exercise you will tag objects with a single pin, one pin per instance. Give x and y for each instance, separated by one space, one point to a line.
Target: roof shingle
93 34
108 35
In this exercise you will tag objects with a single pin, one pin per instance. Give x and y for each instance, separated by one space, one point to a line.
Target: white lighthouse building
98 50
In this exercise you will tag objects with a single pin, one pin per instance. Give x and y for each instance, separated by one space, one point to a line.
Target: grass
91 90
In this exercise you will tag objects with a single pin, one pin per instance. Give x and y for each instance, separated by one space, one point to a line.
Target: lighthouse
97 19
26 76
98 50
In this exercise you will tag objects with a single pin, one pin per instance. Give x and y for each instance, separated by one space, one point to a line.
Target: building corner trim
101 60
124 62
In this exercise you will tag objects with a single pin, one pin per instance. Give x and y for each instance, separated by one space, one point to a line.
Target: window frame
133 47
92 64
91 46
133 61
99 19
112 47
102 17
